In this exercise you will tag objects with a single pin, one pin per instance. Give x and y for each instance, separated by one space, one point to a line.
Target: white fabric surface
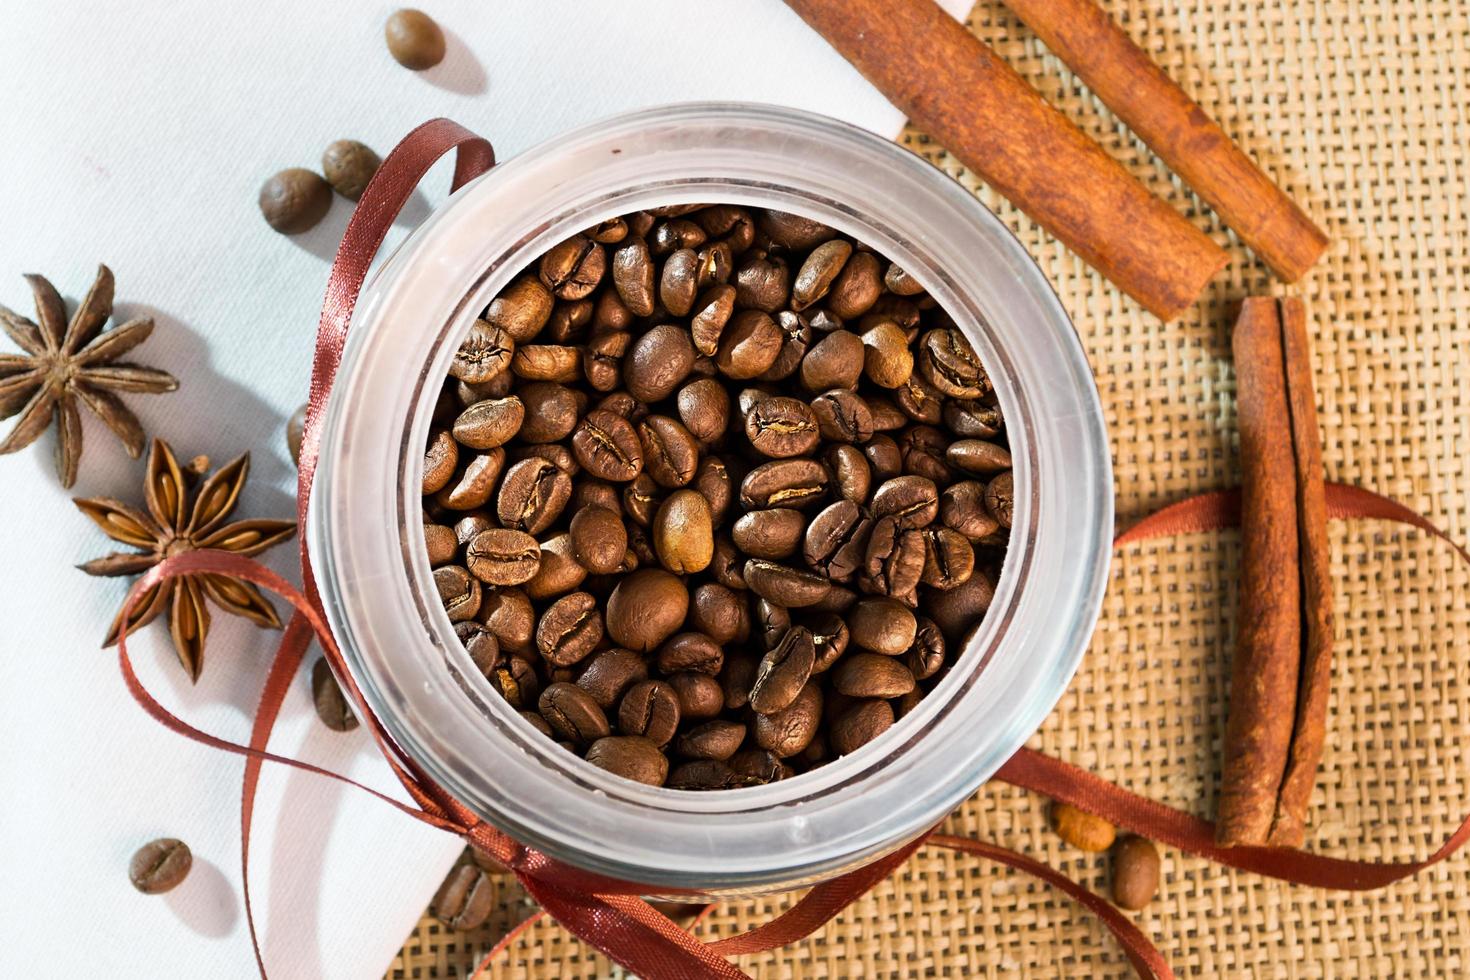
137 134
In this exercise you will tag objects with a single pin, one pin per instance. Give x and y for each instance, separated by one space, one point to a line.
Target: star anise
171 525
65 363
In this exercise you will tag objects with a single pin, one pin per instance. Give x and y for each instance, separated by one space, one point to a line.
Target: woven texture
1358 108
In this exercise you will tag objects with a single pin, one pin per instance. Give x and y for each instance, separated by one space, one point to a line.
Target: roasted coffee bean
763 282
458 591
882 625
784 483
1135 873
294 200
472 487
886 415
683 534
704 408
871 675
919 400
607 446
772 621
650 709
532 496
830 637
704 774
713 482
556 454
818 272
962 507
490 423
569 629
973 420
786 732
923 449
465 899
416 42
784 585
711 312
727 567
957 608
836 541
610 673
737 677
895 558
851 475
485 353
901 282
782 427
978 456
559 572
690 651
949 363
591 492
670 452
573 268
796 340
843 416
480 644
440 544
925 658
547 362
658 362
440 459
534 719
551 411
631 757
502 556
521 309
641 499
515 680
835 361
718 739
608 232
759 766
949 560
749 345
885 459
859 724
700 695
569 322
632 275
734 224
159 866
912 501
599 539
678 282
676 233
887 360
720 613
1000 495
774 533
331 704
573 714
783 671
792 230
646 608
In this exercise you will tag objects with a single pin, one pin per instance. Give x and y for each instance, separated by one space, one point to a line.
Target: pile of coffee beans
714 494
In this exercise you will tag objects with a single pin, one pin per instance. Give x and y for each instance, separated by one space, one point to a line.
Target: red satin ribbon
606 912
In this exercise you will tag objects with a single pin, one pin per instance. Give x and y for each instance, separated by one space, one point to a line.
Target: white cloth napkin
138 135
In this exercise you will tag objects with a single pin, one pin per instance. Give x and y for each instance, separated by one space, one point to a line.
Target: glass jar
366 534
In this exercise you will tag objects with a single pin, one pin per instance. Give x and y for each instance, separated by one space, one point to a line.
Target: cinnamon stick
1137 90
1289 828
1280 677
966 97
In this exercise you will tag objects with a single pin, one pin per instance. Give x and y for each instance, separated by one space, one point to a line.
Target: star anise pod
177 520
65 363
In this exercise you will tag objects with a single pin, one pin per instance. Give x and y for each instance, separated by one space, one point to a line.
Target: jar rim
365 527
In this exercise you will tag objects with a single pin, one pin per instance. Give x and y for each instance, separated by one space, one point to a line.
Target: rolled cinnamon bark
1289 828
962 94
1137 90
1263 680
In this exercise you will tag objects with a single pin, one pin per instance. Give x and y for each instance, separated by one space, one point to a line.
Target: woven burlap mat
1359 110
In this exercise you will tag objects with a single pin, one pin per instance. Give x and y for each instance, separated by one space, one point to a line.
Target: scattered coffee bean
160 865
294 200
1136 871
466 898
331 704
414 40
348 166
1081 829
